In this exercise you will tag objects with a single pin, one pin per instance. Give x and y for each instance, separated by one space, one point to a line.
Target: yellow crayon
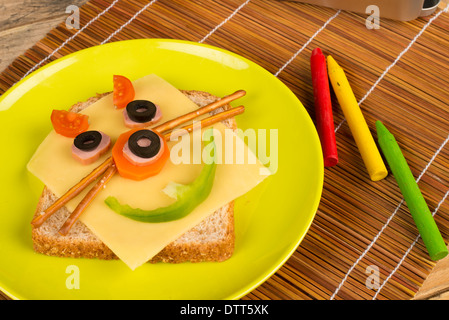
359 129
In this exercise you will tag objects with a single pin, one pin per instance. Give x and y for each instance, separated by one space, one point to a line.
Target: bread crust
193 246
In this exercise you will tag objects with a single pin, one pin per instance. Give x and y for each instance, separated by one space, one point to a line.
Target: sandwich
202 236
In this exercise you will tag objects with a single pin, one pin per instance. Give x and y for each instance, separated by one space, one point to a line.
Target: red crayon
323 108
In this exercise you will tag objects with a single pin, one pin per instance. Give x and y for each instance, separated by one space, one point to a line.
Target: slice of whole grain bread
211 240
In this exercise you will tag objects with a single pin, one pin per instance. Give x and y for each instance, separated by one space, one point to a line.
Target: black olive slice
141 110
88 140
144 143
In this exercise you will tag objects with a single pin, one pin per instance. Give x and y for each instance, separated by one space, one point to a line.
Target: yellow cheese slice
136 242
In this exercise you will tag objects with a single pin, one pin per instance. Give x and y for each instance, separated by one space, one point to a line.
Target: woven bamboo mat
399 72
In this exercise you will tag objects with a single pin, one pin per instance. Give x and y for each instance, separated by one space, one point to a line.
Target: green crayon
412 195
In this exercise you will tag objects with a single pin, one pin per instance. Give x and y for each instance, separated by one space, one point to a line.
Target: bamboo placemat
399 74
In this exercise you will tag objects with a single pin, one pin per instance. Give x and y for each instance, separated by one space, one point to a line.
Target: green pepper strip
188 198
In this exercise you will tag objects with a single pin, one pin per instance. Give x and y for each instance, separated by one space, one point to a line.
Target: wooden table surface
23 23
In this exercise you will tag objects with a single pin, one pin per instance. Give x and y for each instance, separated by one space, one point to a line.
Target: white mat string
128 22
70 39
307 43
224 21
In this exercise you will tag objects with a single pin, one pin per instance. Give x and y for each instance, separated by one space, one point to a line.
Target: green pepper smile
188 198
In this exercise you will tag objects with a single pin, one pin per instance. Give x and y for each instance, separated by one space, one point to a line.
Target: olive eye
88 140
88 146
141 110
141 113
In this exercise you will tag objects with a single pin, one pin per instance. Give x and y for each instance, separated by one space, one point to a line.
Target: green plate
270 221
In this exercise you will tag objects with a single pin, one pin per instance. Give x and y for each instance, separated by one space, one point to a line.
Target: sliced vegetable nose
146 160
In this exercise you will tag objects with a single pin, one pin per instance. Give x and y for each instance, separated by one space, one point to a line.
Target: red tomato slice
123 91
130 171
69 124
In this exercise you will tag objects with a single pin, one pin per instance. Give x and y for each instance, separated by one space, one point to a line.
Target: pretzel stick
205 122
90 196
73 192
169 125
112 170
